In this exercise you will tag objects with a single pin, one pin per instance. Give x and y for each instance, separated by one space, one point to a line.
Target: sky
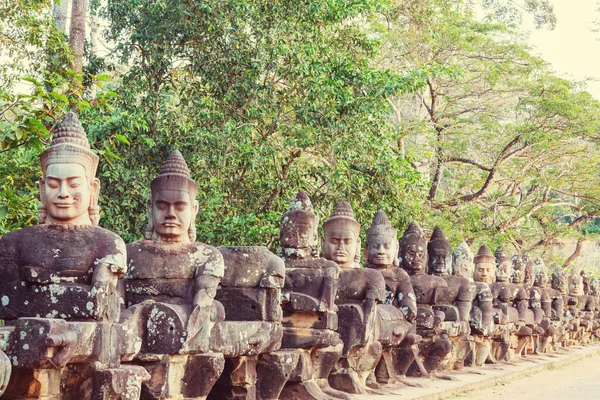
572 48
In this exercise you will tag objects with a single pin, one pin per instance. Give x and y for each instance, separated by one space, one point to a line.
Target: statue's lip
341 253
63 205
170 224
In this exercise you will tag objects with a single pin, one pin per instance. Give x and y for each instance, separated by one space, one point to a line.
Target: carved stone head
462 261
172 208
341 241
298 229
504 268
485 268
69 188
575 284
382 242
412 250
528 271
518 269
541 274
559 280
438 250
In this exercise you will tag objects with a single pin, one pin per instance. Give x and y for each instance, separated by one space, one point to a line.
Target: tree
507 146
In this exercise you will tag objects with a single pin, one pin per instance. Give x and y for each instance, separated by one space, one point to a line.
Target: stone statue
581 307
481 321
541 304
309 311
359 292
435 345
170 289
455 299
595 292
251 335
522 270
559 294
396 331
59 284
506 316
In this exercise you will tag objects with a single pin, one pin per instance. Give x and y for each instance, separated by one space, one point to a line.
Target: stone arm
546 303
374 294
407 301
484 302
464 300
205 290
108 270
521 303
111 266
370 314
558 308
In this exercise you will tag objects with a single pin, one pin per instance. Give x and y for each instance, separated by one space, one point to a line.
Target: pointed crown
438 241
175 175
381 226
345 215
70 145
301 202
501 255
462 249
412 234
485 255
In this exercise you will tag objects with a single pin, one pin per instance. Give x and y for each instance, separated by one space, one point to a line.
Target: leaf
121 138
37 144
111 154
60 97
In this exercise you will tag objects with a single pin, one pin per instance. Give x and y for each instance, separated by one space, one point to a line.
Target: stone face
341 237
462 260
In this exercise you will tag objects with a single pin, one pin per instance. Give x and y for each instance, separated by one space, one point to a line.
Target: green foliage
263 99
416 108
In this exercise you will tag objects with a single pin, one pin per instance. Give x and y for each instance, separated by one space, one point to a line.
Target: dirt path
576 381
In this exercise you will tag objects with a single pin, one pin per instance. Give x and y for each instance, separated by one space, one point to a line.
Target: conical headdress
175 175
343 214
412 235
501 255
381 226
485 255
438 241
70 145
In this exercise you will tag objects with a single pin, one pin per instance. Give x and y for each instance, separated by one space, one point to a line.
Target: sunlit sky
572 47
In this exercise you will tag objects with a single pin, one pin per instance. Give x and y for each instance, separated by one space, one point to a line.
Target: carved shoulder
209 260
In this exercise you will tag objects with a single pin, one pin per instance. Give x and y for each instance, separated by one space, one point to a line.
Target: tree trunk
77 33
59 13
576 253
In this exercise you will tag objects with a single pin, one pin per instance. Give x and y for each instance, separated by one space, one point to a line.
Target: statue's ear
95 191
149 226
196 208
42 193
